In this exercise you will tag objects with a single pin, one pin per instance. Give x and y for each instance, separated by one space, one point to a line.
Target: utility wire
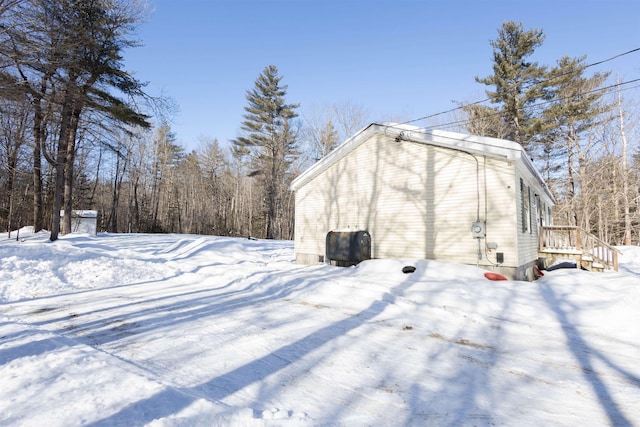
614 57
526 87
497 113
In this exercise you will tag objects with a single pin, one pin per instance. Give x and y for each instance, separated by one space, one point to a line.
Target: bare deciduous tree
325 127
66 55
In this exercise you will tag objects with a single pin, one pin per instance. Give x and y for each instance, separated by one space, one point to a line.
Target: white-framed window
525 198
537 213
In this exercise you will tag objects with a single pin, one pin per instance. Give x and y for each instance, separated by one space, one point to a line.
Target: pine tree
575 108
66 56
516 81
328 125
270 142
484 121
321 139
328 138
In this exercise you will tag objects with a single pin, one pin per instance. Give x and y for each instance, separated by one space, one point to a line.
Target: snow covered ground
185 330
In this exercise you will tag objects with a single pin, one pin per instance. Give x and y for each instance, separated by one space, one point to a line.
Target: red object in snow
494 276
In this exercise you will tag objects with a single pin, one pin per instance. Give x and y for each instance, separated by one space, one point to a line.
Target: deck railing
572 240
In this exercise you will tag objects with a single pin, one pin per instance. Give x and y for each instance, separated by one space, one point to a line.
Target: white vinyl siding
416 201
529 221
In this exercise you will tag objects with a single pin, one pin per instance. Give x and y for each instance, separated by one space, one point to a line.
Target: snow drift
181 330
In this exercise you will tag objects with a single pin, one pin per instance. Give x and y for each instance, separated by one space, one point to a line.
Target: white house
417 193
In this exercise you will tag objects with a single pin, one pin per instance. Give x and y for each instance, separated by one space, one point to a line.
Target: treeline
61 64
576 127
78 132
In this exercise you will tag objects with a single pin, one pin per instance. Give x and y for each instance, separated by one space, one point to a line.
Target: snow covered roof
481 145
82 214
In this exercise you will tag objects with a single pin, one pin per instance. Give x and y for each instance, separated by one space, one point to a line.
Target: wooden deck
575 243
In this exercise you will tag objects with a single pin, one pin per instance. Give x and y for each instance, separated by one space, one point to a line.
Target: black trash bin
345 248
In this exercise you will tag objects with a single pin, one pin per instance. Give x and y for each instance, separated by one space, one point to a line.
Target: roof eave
343 149
472 144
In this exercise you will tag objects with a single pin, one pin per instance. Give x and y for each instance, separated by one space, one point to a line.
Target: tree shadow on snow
462 394
586 356
171 400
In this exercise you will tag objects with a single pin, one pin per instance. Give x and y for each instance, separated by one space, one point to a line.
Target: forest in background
77 131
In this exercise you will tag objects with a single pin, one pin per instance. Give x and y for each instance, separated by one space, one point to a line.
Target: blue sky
399 60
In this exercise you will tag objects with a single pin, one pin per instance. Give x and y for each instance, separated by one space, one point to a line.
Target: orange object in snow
494 276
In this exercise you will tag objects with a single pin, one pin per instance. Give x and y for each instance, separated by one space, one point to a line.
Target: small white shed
426 194
83 221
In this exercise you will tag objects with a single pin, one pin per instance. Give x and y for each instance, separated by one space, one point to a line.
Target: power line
497 113
537 83
614 57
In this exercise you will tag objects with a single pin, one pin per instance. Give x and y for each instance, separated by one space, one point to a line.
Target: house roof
473 144
81 214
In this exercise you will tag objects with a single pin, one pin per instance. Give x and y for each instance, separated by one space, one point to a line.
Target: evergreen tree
327 125
66 56
321 139
485 121
516 81
575 108
328 138
270 142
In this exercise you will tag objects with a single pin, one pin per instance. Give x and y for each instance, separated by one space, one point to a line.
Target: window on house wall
531 211
537 216
525 202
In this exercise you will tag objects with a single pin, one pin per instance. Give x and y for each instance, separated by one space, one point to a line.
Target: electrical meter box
478 229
